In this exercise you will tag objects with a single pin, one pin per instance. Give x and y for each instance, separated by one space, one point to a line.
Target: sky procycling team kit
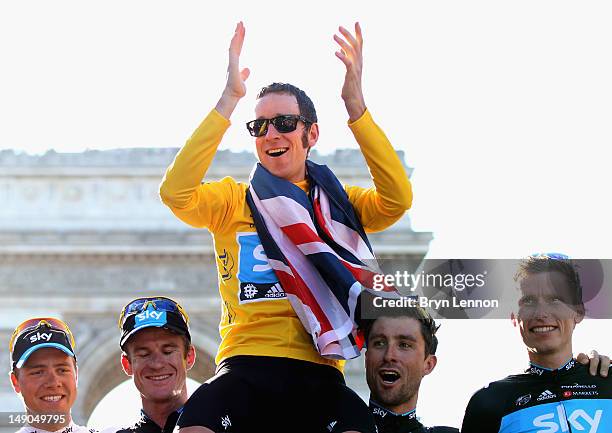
147 425
567 400
257 319
390 422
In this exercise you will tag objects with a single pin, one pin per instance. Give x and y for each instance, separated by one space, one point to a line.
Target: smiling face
396 362
156 359
47 383
546 318
284 154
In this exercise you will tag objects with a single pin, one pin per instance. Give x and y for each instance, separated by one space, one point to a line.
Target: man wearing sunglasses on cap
44 372
157 353
555 393
273 359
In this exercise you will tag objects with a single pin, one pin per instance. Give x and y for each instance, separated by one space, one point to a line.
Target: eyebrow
399 337
147 349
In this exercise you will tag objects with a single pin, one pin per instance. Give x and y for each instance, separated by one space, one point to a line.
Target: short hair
540 263
428 325
305 104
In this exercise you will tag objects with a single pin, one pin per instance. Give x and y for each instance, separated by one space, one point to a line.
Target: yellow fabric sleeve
381 206
200 204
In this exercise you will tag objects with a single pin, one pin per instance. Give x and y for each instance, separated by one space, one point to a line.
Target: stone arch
100 369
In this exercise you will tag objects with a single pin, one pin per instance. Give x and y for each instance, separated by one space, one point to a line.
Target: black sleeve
442 430
482 414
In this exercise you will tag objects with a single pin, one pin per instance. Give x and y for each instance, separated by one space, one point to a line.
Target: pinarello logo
567 394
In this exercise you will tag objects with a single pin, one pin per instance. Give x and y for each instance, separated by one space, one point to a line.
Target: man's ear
313 134
514 321
579 315
15 382
125 363
191 357
430 363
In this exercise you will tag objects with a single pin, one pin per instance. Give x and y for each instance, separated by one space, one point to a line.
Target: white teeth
165 376
543 329
52 398
277 151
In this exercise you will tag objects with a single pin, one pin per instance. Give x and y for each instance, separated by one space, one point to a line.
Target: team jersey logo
226 265
567 416
257 280
523 400
578 420
151 317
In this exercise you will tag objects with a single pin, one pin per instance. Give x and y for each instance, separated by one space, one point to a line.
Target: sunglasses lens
32 323
258 128
164 304
54 323
285 123
134 306
554 256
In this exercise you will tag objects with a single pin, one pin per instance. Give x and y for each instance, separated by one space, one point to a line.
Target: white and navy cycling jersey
567 400
70 428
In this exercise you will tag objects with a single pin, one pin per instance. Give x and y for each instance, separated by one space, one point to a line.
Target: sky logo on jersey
257 280
150 317
578 420
568 416
380 412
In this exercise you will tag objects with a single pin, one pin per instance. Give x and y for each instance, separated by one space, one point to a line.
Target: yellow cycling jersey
257 318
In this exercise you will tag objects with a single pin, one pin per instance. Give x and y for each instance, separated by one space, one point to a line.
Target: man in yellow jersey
271 374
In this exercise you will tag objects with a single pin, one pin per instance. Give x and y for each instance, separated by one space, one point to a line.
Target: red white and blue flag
319 251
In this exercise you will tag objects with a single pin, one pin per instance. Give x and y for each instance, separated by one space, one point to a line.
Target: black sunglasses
283 123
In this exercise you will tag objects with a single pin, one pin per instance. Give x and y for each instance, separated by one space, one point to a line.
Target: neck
159 411
552 361
402 408
65 419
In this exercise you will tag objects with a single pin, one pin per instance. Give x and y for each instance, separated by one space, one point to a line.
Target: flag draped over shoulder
319 251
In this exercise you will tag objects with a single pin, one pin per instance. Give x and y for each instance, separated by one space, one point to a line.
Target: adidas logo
275 291
331 425
546 395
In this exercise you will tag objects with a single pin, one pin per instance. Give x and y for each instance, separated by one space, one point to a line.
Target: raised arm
351 54
235 87
203 205
381 206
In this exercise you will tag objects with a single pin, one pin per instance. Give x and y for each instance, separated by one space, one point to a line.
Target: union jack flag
319 251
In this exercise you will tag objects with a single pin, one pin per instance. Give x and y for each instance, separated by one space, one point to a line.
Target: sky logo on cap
151 317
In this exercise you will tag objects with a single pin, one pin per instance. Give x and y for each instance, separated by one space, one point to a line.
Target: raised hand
235 88
351 55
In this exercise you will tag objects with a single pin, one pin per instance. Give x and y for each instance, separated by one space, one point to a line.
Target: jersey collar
387 420
537 370
148 424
